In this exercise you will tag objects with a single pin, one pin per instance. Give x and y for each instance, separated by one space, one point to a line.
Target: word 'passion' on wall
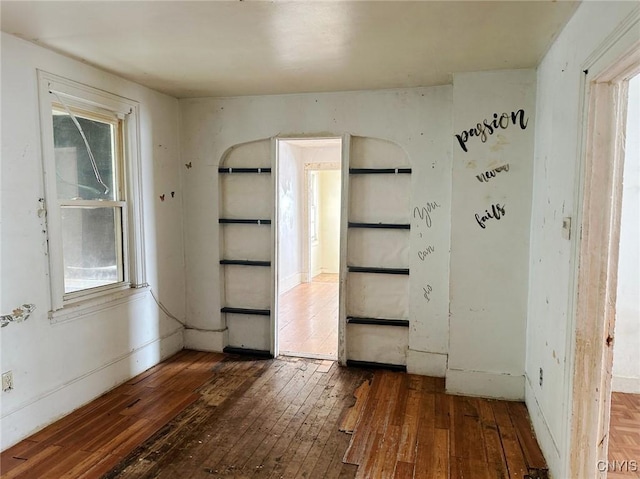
488 127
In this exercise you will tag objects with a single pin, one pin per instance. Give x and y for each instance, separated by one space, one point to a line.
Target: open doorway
624 426
598 255
309 183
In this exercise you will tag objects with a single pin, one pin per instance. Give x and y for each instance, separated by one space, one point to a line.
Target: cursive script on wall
424 213
487 175
422 254
496 213
488 127
427 292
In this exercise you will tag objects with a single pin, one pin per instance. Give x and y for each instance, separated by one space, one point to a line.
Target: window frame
92 100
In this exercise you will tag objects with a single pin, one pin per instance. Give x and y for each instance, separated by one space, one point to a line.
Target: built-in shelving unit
377 255
245 209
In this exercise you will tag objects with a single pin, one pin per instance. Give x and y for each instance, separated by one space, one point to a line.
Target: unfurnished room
320 239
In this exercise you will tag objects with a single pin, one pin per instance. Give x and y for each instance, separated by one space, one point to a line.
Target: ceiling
225 48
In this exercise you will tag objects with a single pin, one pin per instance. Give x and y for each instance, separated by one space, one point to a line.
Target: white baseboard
545 438
328 271
426 364
289 282
56 403
621 384
210 341
484 384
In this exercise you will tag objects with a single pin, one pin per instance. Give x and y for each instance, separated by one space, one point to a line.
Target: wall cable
185 325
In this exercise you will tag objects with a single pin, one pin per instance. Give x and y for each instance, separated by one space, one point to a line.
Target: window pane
75 174
90 243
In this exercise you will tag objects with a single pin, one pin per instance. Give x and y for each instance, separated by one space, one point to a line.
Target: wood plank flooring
624 436
207 415
407 427
308 319
93 439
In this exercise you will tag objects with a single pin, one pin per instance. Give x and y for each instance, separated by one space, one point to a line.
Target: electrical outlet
540 377
7 381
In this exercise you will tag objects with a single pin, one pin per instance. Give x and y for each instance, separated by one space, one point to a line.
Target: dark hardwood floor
208 415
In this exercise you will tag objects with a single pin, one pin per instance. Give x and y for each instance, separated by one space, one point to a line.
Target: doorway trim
344 201
596 256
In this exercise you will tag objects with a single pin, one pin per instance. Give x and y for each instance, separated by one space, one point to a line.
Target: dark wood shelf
379 171
227 221
243 262
403 323
366 269
259 353
244 170
391 226
257 312
372 365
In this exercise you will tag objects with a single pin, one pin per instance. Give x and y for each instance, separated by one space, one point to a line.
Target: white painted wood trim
290 282
306 243
622 384
600 195
485 384
541 427
133 234
426 364
344 219
275 241
210 341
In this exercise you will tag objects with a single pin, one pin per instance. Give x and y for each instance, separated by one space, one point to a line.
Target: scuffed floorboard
259 419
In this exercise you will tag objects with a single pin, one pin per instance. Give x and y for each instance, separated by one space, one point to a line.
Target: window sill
90 306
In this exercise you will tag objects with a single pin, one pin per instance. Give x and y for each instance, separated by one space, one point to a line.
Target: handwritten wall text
424 213
426 252
427 292
496 213
488 127
487 175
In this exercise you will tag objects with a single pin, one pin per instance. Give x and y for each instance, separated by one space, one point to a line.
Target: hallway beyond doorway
308 319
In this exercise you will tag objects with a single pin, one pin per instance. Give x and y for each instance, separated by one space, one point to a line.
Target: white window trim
133 236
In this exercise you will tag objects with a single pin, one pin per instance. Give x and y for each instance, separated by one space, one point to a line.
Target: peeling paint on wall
18 315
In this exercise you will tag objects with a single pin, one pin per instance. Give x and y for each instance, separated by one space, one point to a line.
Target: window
92 194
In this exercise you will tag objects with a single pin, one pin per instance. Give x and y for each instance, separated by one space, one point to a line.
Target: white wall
291 215
626 352
551 265
330 187
58 367
419 120
490 232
